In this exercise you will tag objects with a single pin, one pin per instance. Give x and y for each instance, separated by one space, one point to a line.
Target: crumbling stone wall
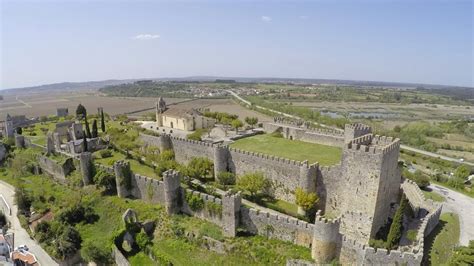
56 170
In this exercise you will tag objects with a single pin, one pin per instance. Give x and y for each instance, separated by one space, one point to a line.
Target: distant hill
466 92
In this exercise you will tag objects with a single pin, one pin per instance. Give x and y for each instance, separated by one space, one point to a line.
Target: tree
88 130
306 200
463 255
255 184
22 200
143 240
236 124
462 172
396 228
199 167
105 180
252 121
226 178
19 130
67 243
95 132
95 252
81 112
102 121
84 143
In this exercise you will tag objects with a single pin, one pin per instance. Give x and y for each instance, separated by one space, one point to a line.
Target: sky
401 41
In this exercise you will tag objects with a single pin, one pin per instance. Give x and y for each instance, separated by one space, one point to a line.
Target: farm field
290 149
45 104
219 105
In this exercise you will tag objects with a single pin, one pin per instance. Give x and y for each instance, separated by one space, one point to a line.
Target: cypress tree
81 112
396 228
84 144
95 133
102 121
88 130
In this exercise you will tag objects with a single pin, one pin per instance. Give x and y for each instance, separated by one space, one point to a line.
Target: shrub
214 209
43 231
22 200
67 243
226 178
199 167
306 200
377 243
411 235
94 252
195 202
105 153
105 180
143 240
255 184
76 214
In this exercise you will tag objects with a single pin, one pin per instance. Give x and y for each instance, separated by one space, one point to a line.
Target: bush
306 200
76 214
195 202
93 252
105 180
143 240
226 178
199 168
411 235
67 243
418 177
255 184
377 243
105 153
22 200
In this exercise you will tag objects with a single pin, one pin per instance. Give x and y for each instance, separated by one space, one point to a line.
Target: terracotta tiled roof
24 256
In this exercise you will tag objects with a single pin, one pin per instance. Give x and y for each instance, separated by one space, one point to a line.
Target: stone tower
307 179
85 159
352 131
160 109
231 213
326 239
19 141
221 155
9 130
371 175
172 185
164 142
123 178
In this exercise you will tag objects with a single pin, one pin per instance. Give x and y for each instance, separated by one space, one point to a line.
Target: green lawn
444 238
290 149
282 206
433 196
135 166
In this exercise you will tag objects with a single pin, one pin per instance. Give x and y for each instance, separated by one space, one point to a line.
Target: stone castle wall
295 132
56 170
275 226
205 213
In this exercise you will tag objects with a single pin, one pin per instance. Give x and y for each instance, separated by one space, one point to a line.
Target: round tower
123 178
172 188
307 180
164 142
326 239
220 160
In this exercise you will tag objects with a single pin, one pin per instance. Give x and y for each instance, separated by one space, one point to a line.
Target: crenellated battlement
363 140
204 196
281 220
273 158
197 142
359 126
320 219
362 148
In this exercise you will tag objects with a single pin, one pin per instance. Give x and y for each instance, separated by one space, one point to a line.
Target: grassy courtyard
290 149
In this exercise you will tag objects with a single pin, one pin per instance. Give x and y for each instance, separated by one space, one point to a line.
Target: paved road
21 236
431 154
463 206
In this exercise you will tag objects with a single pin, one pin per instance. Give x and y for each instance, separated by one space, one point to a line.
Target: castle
360 193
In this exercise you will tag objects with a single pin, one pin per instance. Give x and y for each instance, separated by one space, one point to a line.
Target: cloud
146 37
266 19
